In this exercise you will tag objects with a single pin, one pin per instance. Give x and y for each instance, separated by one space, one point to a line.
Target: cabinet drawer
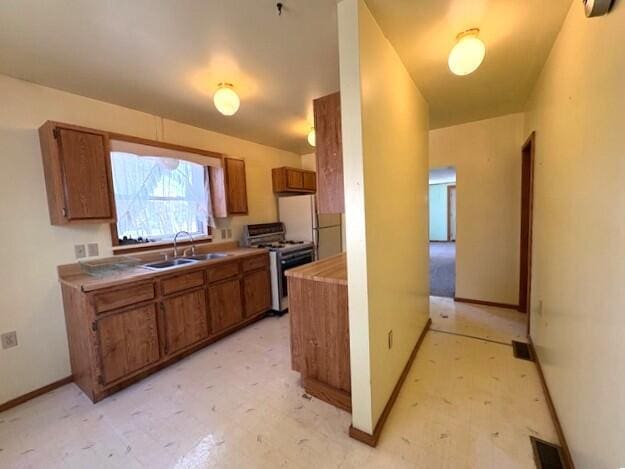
257 262
114 299
222 271
182 282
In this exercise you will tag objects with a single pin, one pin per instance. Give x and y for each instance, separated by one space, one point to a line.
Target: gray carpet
443 269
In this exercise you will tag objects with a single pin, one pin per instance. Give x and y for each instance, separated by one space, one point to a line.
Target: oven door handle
308 255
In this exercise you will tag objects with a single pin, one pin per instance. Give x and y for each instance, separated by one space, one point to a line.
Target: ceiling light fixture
312 137
226 99
468 53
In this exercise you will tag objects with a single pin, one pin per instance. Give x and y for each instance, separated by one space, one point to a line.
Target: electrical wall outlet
223 233
93 249
229 233
390 339
9 340
79 251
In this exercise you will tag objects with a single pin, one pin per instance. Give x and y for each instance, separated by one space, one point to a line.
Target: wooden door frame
528 152
449 188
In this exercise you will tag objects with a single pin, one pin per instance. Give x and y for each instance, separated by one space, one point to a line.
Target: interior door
451 209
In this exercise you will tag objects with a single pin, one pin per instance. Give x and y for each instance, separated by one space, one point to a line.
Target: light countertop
330 270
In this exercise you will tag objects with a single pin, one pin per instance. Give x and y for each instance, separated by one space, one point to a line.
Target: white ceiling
443 175
166 57
518 35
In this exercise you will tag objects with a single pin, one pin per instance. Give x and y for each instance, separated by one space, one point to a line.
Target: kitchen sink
208 257
169 264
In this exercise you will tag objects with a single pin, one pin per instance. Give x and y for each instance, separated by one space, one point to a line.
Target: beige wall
309 161
30 248
385 146
577 110
487 158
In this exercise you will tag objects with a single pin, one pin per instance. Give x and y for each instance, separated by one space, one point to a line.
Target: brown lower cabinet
121 334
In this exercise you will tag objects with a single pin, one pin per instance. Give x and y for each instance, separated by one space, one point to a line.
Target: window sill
159 245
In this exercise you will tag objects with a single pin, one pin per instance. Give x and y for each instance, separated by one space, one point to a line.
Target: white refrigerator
303 223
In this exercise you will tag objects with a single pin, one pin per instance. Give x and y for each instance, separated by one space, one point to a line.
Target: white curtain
156 197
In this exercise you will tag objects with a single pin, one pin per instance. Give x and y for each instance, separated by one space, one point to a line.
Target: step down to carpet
522 350
547 455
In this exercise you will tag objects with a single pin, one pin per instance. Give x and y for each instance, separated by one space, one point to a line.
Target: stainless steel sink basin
169 264
208 257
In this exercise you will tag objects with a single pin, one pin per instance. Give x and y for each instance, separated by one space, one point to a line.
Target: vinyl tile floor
466 403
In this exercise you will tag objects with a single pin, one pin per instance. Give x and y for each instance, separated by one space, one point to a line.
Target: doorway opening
527 206
442 200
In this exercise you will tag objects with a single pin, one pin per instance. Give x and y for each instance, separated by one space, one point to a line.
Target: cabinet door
226 306
128 342
294 179
310 181
185 320
84 166
257 292
329 151
236 186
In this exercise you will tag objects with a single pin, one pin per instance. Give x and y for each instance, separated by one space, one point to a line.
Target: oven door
289 261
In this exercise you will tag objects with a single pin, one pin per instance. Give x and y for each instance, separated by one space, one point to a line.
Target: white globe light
226 99
467 54
312 138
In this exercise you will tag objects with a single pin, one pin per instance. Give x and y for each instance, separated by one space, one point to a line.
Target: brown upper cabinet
329 152
293 180
229 188
77 172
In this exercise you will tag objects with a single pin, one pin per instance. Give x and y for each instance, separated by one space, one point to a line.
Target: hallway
466 403
443 269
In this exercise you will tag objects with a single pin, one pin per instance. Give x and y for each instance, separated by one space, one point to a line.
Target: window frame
119 249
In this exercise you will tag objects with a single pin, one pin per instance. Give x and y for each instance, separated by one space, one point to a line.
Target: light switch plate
229 233
223 233
79 251
93 249
9 340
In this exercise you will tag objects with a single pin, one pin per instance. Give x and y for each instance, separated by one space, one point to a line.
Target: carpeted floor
443 269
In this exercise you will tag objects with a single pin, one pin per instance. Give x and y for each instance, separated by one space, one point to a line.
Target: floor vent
522 350
547 455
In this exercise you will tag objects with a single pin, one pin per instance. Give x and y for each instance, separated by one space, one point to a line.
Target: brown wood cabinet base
145 373
119 334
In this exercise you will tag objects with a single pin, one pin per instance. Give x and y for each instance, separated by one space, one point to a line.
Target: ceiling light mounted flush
312 137
226 99
468 53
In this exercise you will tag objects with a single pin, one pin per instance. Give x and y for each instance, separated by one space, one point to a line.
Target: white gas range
284 254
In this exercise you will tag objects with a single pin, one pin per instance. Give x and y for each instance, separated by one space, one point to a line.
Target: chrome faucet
176 243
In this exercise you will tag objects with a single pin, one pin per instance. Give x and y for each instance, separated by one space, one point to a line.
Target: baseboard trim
35 393
372 439
568 460
486 303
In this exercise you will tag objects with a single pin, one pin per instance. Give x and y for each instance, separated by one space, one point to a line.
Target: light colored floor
466 403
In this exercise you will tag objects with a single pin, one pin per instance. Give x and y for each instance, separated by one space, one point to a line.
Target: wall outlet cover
93 249
9 340
223 233
229 233
79 251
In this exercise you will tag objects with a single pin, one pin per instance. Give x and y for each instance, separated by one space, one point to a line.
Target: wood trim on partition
372 440
35 393
486 303
568 460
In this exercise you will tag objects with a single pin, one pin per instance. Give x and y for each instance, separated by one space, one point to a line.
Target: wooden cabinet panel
114 299
293 180
236 187
128 341
310 181
185 320
257 292
329 153
77 173
223 271
226 308
257 262
182 282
